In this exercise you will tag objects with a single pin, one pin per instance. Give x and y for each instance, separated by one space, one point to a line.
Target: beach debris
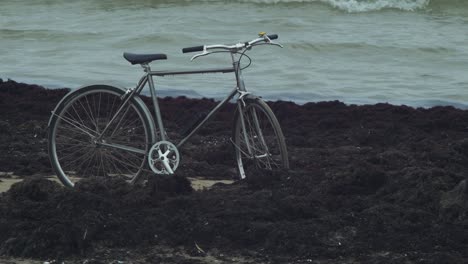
199 249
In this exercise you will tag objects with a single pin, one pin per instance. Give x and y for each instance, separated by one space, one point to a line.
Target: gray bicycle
107 131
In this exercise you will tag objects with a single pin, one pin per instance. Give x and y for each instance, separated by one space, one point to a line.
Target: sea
412 52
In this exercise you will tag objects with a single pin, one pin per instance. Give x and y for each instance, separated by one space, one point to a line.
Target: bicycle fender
252 96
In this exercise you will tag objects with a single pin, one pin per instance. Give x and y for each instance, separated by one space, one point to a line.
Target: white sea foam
366 6
353 6
359 6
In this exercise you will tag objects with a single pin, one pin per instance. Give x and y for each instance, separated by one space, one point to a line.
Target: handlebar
273 36
235 47
192 49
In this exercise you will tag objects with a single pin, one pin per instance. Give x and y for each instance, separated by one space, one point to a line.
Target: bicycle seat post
146 67
152 89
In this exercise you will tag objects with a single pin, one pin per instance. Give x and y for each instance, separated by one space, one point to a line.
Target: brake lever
269 41
200 55
276 44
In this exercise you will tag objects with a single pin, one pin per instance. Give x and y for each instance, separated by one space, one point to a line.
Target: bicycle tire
76 152
267 147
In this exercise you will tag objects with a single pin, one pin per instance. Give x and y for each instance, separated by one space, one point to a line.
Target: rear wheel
78 150
259 143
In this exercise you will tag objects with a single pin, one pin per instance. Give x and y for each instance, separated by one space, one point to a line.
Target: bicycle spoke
127 164
125 159
112 164
80 127
87 158
111 112
69 140
98 109
86 112
119 120
74 152
123 128
124 148
81 159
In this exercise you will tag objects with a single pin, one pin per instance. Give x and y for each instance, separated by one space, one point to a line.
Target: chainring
163 158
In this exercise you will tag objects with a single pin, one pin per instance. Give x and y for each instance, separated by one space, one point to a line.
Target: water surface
399 51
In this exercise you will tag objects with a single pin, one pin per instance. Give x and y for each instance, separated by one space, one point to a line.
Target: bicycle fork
256 147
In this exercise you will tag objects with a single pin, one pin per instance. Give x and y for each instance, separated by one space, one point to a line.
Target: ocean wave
359 6
350 6
42 34
442 4
370 48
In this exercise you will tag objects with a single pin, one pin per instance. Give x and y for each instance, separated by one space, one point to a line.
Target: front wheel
258 140
79 149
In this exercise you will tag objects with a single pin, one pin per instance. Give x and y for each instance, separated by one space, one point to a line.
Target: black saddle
143 58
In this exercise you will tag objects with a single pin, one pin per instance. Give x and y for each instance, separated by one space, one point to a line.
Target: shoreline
295 98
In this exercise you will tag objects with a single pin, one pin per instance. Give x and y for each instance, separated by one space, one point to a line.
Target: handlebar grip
192 49
273 36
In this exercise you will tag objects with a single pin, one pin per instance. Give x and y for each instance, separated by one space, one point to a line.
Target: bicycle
108 131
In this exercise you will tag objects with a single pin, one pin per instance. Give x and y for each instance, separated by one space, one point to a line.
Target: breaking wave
357 6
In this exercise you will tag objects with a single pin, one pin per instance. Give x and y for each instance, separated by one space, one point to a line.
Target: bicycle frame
148 79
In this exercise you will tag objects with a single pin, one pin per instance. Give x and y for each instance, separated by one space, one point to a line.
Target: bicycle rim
77 150
260 145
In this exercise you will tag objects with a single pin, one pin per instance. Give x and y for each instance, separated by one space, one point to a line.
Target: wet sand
197 183
5 184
